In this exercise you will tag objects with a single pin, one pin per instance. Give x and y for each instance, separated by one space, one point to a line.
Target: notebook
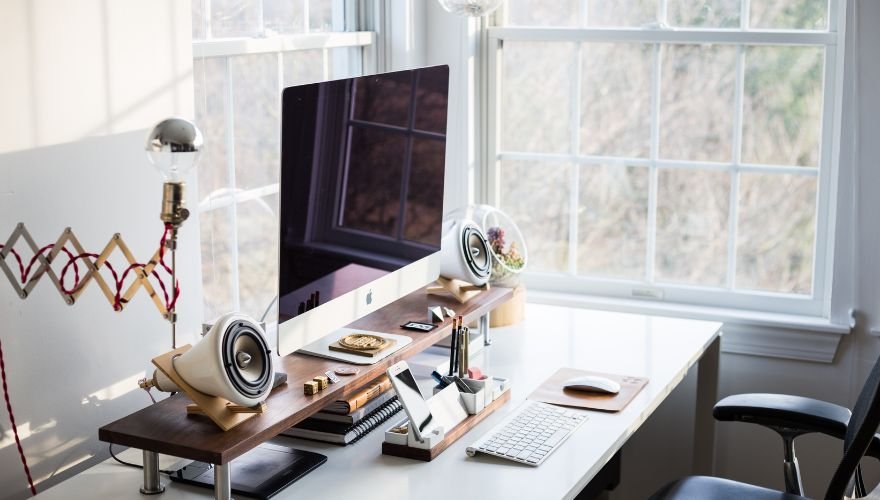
340 433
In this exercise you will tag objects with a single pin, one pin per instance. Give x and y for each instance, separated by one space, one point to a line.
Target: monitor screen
361 195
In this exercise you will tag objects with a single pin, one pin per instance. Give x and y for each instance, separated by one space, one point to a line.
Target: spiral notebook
341 433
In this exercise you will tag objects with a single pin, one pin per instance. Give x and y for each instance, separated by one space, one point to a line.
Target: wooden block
215 408
311 387
322 381
399 450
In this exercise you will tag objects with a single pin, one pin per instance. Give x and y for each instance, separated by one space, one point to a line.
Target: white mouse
592 383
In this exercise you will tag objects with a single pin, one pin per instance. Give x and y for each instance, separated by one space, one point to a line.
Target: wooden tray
404 451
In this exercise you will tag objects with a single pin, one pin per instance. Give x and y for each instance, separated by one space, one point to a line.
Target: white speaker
464 252
232 361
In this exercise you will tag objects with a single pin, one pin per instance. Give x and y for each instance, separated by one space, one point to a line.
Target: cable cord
27 470
129 464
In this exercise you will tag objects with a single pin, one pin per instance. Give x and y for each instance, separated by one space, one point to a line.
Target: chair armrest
792 412
781 410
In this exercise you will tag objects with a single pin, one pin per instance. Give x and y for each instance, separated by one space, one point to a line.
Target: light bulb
173 147
472 8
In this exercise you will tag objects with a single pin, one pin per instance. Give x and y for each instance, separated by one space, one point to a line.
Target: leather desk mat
551 391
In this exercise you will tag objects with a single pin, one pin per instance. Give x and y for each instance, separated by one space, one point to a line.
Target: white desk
662 349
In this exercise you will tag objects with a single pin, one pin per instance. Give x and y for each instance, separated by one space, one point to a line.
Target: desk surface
662 349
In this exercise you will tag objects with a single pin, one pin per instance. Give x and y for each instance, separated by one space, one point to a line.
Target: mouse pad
551 391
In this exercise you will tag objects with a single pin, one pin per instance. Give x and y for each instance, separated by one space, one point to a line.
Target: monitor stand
260 473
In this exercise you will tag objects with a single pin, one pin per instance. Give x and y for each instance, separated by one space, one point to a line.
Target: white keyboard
530 434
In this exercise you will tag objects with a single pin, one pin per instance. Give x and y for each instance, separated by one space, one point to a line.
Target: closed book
359 398
356 415
340 433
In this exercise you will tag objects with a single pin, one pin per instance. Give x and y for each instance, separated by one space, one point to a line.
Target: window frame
351 23
818 304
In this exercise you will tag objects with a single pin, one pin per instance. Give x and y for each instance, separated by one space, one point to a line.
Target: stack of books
347 420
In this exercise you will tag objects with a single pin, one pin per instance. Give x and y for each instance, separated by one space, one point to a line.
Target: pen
465 349
453 347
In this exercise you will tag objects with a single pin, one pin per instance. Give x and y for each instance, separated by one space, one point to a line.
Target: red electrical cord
118 281
24 273
27 471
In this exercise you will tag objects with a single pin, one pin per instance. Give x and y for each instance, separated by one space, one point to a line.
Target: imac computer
361 197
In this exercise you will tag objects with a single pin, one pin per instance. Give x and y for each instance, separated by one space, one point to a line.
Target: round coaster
362 342
345 371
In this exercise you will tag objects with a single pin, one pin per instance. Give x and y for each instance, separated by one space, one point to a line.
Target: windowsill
754 333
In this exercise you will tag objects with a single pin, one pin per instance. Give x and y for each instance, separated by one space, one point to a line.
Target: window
668 149
245 53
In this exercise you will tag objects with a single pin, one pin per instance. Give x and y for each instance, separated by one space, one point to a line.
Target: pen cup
485 385
474 403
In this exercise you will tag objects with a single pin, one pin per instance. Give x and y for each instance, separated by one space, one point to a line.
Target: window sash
280 44
816 304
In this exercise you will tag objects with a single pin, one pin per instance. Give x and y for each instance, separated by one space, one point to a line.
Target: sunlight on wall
77 69
114 390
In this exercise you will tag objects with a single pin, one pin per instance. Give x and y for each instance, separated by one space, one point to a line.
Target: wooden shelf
165 428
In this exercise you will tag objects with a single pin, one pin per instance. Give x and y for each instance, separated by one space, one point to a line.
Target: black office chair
792 416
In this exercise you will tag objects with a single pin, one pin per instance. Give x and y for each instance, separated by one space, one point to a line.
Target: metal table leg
484 329
152 484
223 481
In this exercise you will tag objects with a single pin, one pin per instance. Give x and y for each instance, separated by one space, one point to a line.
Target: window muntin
693 162
245 52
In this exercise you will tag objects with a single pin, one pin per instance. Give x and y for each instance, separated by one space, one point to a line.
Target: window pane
215 228
559 13
431 101
782 105
692 215
789 14
283 16
776 232
616 99
384 99
231 18
536 96
621 13
210 88
257 120
303 66
372 150
612 221
536 196
696 102
424 213
320 15
258 254
705 13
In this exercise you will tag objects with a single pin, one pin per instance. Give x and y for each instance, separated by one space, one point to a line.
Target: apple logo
370 297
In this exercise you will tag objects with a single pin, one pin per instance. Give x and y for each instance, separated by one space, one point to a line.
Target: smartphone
411 398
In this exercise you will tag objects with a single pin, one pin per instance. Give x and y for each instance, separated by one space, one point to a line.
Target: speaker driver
476 251
244 359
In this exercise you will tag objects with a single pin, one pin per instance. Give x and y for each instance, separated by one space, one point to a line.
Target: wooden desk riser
165 428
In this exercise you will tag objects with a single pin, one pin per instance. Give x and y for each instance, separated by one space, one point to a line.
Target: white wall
82 83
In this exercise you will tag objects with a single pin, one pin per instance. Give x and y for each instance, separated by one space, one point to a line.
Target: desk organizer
492 394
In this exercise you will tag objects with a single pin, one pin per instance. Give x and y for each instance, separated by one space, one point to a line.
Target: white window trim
784 309
226 48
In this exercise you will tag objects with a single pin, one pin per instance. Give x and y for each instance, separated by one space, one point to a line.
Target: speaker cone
476 251
245 355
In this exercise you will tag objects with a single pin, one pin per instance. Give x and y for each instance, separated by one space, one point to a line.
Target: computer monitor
361 197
